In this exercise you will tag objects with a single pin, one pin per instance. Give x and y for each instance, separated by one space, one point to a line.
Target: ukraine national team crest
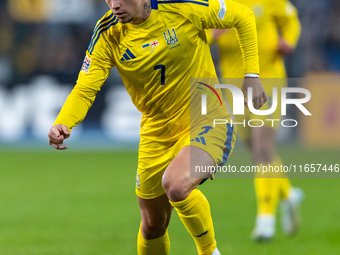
86 65
171 39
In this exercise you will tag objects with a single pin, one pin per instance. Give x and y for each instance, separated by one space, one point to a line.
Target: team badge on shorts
86 65
138 181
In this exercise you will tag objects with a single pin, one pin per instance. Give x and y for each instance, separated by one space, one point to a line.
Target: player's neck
144 14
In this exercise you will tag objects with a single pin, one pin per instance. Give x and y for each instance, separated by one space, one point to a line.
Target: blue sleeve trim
103 20
99 26
101 29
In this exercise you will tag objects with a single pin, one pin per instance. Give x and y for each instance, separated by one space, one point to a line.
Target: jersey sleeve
287 19
94 71
225 14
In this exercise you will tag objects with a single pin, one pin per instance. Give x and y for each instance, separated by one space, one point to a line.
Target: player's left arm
287 20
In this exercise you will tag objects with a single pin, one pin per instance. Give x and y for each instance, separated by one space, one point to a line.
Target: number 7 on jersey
162 73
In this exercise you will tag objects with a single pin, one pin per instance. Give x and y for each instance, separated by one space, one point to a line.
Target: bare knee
152 229
177 181
176 188
156 214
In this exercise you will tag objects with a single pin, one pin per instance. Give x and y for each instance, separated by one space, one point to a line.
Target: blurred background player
278 29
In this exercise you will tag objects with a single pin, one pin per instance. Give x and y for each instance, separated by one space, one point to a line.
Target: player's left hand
259 96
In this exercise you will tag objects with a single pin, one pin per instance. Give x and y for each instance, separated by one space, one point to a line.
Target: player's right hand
58 133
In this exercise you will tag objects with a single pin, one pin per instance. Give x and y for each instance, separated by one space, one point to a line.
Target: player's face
125 10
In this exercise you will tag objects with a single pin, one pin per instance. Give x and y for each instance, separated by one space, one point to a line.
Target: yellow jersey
156 60
272 18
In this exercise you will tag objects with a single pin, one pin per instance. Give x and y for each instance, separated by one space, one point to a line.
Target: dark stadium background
82 201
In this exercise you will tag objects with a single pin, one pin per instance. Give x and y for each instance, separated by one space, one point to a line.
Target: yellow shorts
154 157
271 121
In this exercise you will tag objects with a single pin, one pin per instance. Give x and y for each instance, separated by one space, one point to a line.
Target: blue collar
154 4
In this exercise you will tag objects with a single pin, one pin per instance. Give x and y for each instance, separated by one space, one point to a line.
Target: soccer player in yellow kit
157 46
278 30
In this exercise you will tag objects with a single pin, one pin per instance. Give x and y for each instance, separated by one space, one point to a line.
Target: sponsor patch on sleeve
86 65
222 11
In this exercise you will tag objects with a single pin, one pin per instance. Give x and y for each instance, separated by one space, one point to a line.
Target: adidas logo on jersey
127 55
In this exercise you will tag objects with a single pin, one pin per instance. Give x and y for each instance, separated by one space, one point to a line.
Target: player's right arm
95 70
